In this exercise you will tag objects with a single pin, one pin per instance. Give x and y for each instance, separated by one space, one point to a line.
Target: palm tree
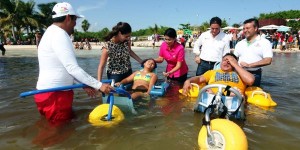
85 25
11 13
101 34
44 15
28 16
224 23
154 29
204 26
185 26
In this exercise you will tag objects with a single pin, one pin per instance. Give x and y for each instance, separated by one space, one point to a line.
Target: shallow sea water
167 122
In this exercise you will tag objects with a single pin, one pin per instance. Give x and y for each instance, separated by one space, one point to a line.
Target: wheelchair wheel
98 116
227 135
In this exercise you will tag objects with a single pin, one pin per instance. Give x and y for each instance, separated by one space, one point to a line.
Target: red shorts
55 106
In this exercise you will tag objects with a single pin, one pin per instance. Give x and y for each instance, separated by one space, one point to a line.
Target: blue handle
111 104
122 91
110 100
24 94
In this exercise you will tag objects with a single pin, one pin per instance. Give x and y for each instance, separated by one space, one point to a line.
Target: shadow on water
167 122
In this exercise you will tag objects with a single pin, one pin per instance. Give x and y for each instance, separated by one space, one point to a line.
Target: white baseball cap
63 9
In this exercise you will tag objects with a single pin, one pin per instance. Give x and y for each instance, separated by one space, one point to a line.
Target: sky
141 14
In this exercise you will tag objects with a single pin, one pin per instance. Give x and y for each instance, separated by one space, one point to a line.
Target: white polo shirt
57 62
213 48
252 52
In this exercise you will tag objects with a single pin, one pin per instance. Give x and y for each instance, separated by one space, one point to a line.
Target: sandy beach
31 50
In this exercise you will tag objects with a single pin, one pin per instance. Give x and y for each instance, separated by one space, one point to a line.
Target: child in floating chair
230 74
143 80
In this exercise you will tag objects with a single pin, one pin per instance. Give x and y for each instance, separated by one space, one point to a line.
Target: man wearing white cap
58 67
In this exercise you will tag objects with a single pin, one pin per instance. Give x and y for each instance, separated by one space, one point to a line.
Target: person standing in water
214 45
254 51
173 53
116 52
58 67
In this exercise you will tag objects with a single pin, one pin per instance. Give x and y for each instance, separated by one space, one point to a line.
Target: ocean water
162 123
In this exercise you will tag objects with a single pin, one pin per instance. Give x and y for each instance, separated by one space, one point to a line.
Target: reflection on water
167 122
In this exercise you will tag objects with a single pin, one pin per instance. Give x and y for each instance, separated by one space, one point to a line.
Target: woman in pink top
173 53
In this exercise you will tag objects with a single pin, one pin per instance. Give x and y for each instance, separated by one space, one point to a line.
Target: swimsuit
138 76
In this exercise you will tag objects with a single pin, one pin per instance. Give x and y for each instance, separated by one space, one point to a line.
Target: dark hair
255 22
61 18
170 32
142 64
215 20
122 27
231 54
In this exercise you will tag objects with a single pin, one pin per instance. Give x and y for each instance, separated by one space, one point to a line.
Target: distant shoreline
31 50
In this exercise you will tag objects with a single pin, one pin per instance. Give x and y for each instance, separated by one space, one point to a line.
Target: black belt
208 62
255 71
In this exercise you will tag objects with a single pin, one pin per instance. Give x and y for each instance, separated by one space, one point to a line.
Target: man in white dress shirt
214 45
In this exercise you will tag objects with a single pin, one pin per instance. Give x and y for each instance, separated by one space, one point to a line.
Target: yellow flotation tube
97 116
257 96
194 92
251 89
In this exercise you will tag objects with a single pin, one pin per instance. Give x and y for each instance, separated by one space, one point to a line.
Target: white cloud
99 4
94 27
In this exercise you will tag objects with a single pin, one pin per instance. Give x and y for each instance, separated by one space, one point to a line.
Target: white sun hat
63 9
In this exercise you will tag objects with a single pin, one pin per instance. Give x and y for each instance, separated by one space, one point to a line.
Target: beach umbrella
229 28
269 27
283 28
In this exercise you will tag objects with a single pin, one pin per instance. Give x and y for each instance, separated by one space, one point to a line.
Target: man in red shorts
58 67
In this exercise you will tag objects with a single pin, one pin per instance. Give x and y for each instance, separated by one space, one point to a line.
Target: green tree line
18 17
288 14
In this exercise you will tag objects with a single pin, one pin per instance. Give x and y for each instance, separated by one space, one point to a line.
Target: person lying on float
143 80
230 74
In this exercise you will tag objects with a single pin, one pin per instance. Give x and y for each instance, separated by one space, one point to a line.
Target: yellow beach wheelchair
221 133
109 114
258 97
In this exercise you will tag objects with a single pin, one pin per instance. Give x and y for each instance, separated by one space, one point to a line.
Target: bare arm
102 63
264 62
152 82
159 59
178 65
246 76
133 54
187 84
